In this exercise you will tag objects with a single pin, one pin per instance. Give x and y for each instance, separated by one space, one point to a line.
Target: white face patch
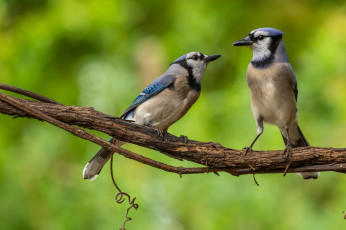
198 64
260 48
198 68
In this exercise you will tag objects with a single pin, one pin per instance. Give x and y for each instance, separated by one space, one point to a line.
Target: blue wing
153 89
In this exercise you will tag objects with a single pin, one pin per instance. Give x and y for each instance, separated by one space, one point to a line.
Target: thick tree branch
213 155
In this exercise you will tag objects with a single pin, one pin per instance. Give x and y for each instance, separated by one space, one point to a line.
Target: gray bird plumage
273 87
162 103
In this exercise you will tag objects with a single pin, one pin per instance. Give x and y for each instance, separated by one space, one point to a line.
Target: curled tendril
119 198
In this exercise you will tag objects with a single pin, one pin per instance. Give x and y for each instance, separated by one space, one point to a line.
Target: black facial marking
263 63
197 56
275 42
194 85
258 38
201 57
269 60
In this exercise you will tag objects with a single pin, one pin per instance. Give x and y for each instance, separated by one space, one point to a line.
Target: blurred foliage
103 53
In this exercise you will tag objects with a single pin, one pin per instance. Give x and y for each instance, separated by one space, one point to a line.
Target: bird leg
259 124
288 148
247 149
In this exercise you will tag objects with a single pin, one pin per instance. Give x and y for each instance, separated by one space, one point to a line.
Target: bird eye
194 57
260 37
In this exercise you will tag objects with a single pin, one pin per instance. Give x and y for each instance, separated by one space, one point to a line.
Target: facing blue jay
162 103
273 87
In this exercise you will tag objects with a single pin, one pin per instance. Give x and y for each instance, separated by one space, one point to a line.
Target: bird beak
212 57
243 42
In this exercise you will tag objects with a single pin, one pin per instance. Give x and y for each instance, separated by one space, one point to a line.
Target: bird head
195 63
263 42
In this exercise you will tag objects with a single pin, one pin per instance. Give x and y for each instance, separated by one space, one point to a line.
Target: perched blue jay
273 87
162 103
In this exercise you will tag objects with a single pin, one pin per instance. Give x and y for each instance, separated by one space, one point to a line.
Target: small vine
119 197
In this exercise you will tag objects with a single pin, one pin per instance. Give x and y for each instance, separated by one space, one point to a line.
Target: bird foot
184 139
246 150
287 151
161 133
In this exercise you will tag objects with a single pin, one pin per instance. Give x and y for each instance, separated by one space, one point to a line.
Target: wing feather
153 89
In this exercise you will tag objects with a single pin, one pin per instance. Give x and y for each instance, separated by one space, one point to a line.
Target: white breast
164 109
271 96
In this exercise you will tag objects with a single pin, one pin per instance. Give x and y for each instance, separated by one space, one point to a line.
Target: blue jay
162 103
273 87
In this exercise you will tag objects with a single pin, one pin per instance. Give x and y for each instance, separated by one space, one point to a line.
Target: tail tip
310 177
86 175
307 176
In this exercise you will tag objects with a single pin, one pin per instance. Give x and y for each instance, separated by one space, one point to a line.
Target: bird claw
246 150
162 133
184 139
159 132
287 151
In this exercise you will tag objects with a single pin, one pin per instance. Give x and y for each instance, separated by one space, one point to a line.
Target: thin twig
254 178
27 93
286 168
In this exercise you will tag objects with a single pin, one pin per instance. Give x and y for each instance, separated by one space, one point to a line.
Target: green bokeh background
103 53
